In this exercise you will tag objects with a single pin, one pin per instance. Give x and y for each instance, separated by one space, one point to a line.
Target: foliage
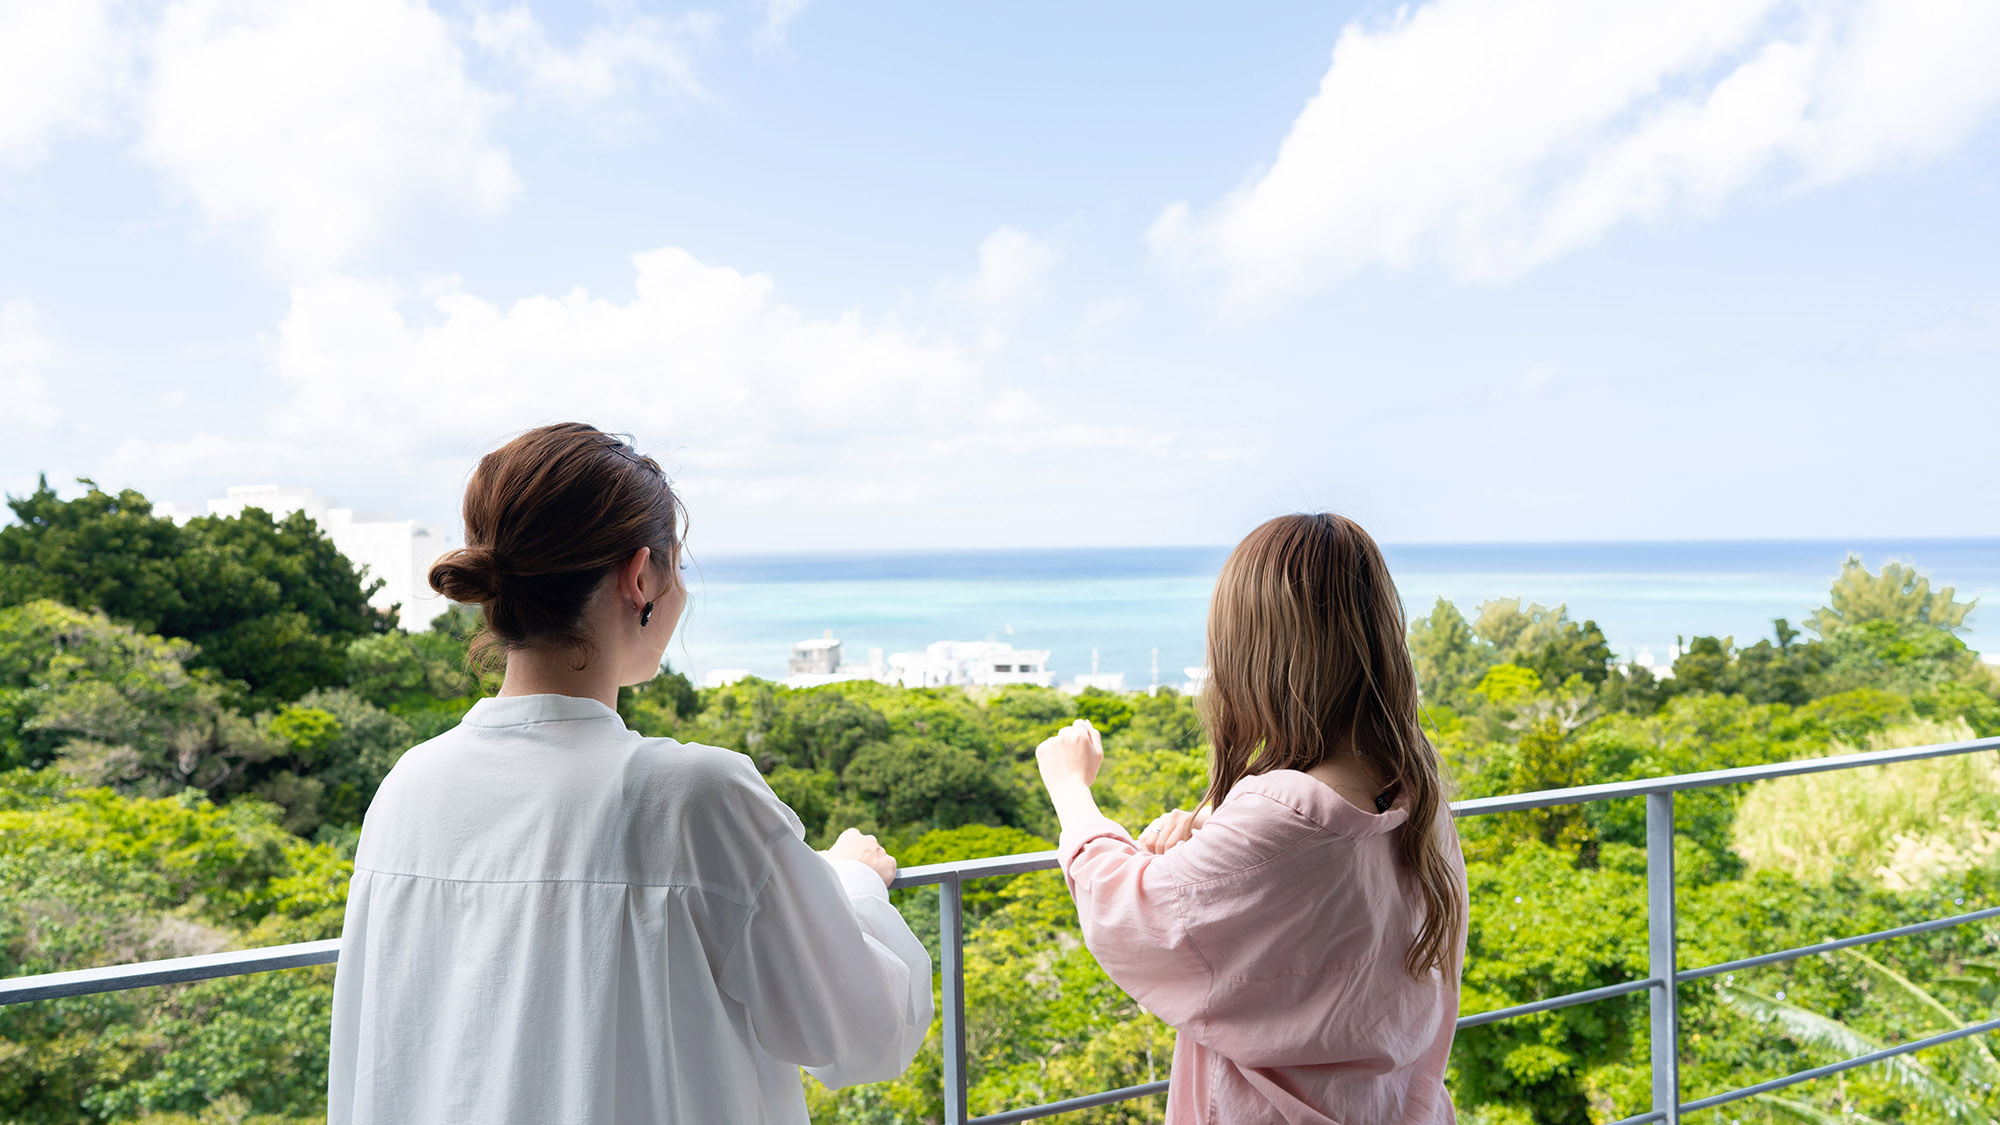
203 714
119 707
420 677
1450 658
270 604
1107 711
115 707
1901 826
95 878
1898 595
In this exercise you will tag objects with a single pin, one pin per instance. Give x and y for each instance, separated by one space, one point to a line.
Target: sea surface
1118 607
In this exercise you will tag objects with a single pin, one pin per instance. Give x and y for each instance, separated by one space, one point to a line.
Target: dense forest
194 717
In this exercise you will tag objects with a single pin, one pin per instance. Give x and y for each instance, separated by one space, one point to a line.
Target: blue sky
870 275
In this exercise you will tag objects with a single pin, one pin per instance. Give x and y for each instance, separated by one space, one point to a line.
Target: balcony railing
1663 971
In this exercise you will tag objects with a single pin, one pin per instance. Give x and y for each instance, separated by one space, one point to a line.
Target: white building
1664 671
399 552
1102 681
970 664
1197 679
818 661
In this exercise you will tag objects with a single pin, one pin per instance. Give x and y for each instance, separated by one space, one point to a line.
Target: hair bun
469 575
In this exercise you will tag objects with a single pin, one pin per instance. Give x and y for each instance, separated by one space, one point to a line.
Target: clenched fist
856 845
1071 754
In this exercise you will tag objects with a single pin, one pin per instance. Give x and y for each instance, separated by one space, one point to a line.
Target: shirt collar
519 710
1317 802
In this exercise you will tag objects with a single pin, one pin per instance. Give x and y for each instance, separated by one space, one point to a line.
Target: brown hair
1307 661
547 516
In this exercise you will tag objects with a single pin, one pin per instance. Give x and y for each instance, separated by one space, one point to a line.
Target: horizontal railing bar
1641 1119
1482 806
985 868
1071 1105
1674 783
178 970
144 974
1567 999
1835 1068
1837 943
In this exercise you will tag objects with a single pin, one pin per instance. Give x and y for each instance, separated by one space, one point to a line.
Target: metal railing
1664 973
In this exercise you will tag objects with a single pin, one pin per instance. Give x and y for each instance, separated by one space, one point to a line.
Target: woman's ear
632 577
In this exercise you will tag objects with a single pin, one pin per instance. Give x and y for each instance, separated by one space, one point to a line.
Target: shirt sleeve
1128 903
830 975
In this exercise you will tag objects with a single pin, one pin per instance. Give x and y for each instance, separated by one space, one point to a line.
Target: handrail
949 878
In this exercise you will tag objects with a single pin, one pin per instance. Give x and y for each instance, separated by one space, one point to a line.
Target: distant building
723 677
1644 659
1102 681
970 664
816 657
1197 679
399 552
818 662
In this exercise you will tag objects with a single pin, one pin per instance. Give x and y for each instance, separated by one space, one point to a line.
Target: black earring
645 615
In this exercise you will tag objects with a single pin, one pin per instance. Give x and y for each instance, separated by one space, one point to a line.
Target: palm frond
1816 1030
1806 1111
1982 1057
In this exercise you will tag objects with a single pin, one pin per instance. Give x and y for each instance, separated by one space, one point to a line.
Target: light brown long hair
1308 661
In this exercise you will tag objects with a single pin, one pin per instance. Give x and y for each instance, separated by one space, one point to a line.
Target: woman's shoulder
694 759
711 780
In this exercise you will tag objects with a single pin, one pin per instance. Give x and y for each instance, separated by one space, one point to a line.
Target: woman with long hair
1305 937
555 919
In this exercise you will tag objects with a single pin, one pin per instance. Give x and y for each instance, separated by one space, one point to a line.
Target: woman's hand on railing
1172 827
1071 755
862 848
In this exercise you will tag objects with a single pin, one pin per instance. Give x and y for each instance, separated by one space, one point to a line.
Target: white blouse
553 919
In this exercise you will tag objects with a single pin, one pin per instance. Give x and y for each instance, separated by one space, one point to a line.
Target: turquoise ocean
746 611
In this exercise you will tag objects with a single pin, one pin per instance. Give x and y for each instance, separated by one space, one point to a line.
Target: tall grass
1900 826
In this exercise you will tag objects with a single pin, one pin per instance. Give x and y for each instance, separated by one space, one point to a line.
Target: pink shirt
1273 941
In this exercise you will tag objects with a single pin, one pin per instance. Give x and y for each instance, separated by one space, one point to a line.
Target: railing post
951 946
1660 955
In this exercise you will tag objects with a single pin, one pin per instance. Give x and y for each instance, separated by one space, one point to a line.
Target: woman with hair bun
553 919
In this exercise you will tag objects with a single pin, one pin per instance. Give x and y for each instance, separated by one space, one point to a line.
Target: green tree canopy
271 604
1449 656
119 707
1544 639
1898 594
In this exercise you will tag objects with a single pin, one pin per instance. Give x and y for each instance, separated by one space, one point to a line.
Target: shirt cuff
859 880
1074 837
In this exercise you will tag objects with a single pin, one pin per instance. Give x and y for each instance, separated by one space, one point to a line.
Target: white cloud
1493 135
702 355
605 63
778 17
317 121
771 414
1107 311
312 125
1976 330
59 65
1012 268
25 405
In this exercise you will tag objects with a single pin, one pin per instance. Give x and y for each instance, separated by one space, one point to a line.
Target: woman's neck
537 671
1350 777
